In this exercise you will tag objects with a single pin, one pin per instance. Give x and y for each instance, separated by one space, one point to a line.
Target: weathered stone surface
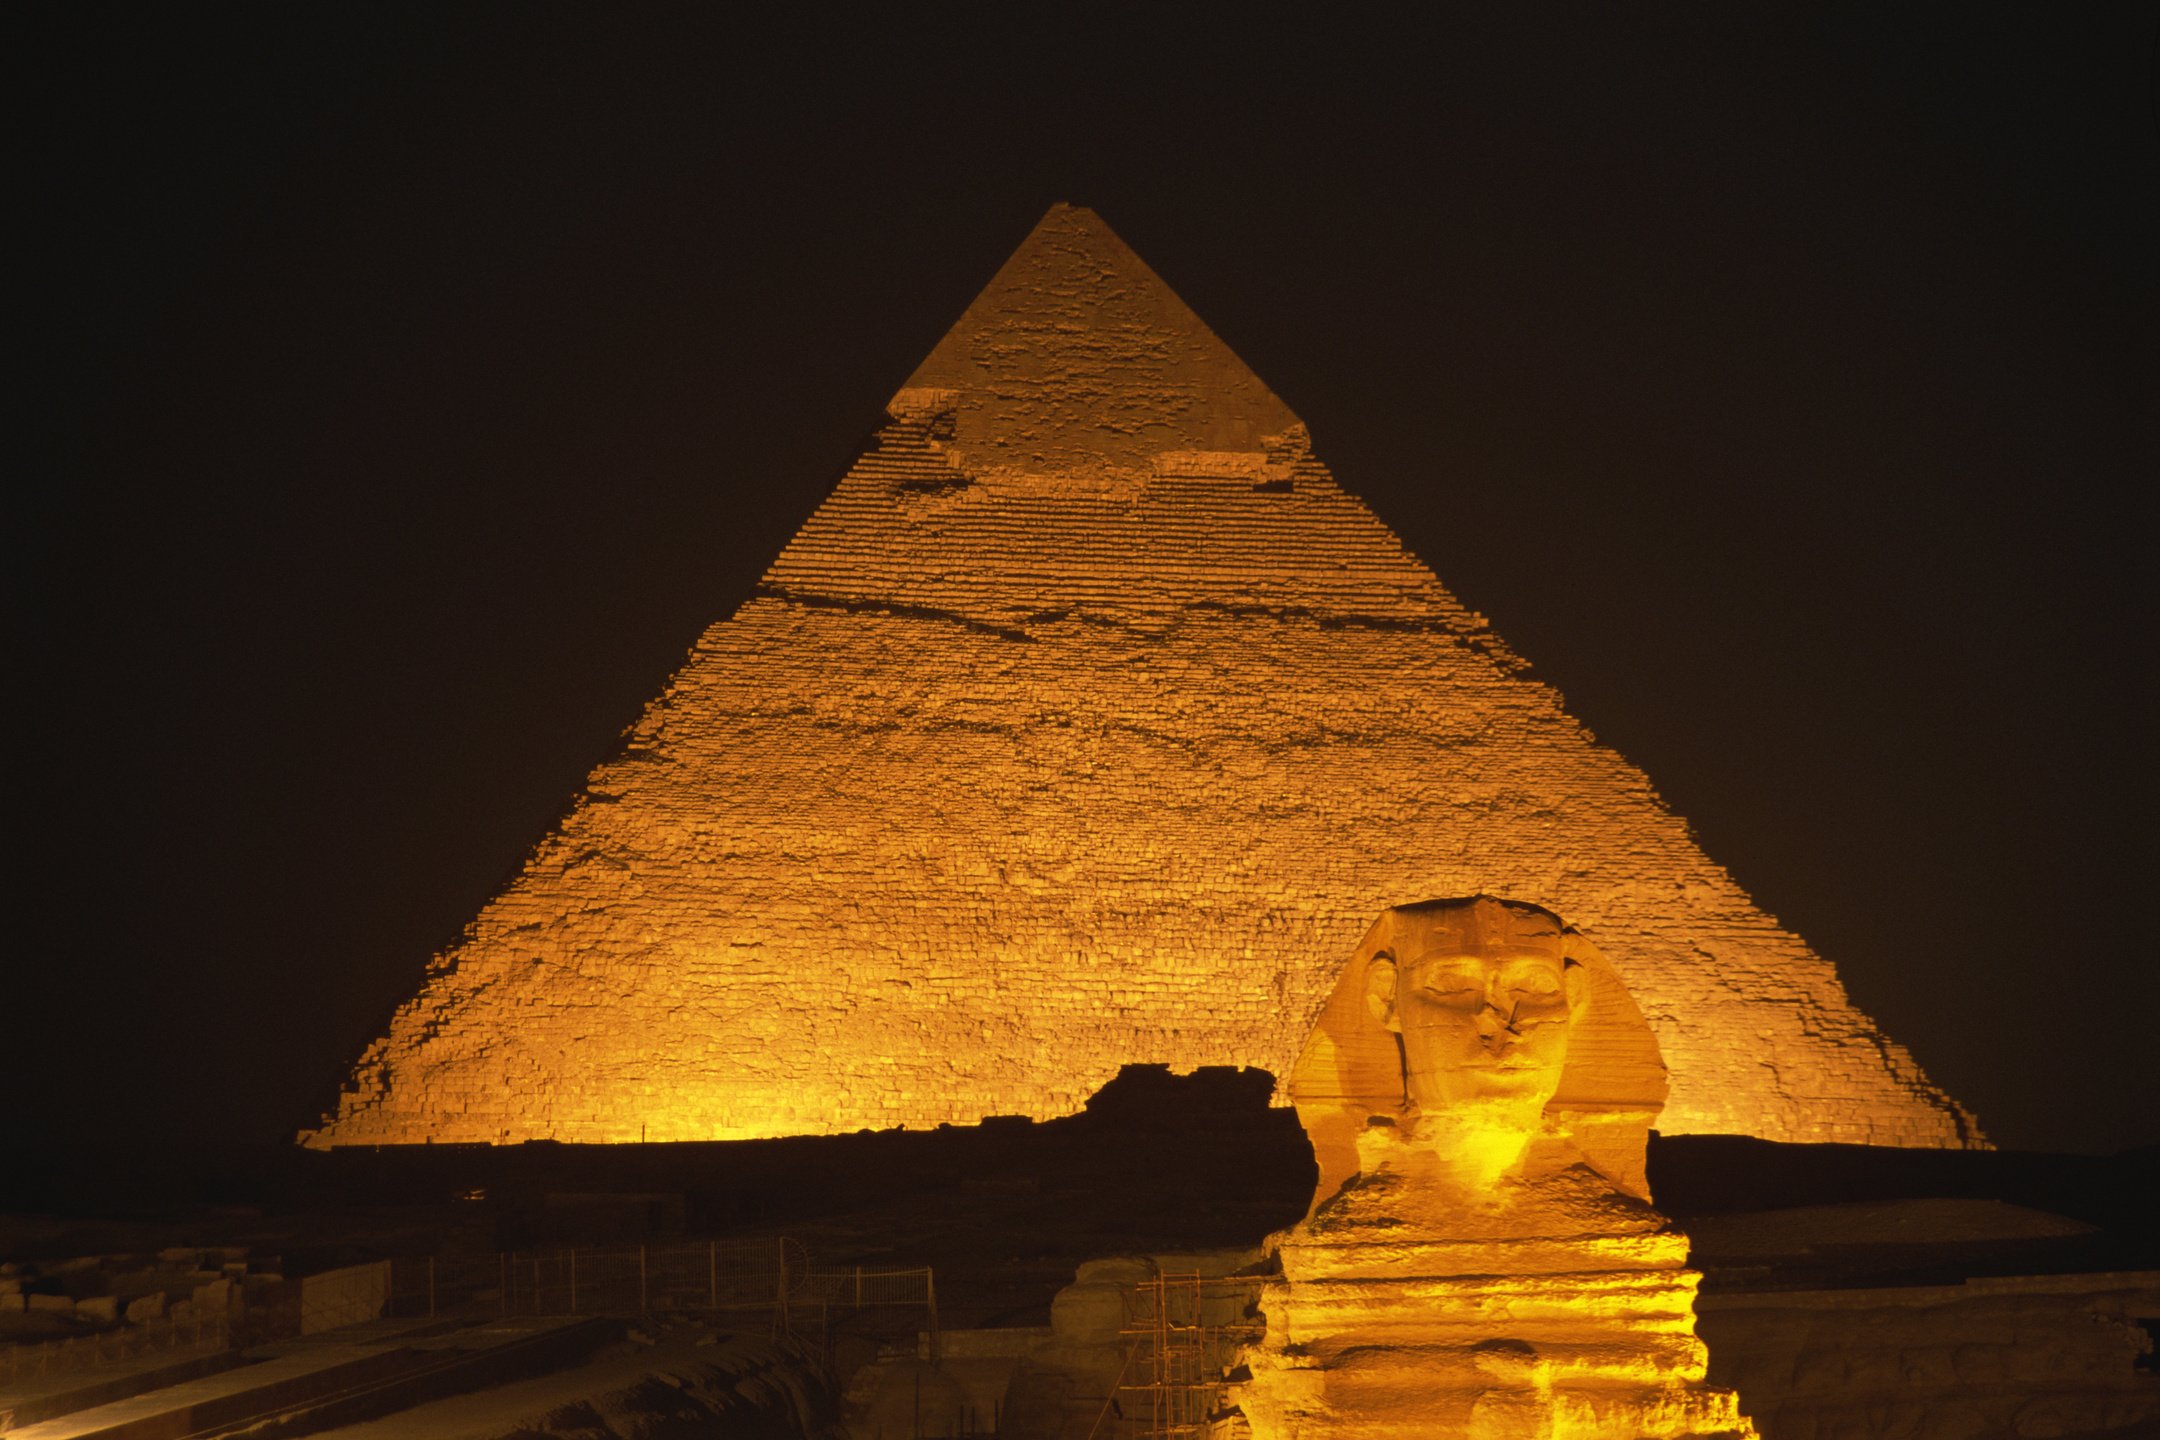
2049 1355
213 1297
103 1309
1608 1080
1091 1309
1477 1271
1097 1357
1086 723
909 1396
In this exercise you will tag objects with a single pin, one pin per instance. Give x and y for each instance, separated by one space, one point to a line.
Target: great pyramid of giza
1087 722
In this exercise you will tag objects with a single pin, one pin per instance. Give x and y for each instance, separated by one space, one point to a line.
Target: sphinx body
1481 1258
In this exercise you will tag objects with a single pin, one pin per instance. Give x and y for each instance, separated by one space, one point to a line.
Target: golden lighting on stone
1481 1259
1084 724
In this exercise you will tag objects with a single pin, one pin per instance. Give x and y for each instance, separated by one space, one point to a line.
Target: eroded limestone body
1086 723
1482 1260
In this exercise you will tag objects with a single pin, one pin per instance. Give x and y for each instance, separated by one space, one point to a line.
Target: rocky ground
660 1382
1003 1214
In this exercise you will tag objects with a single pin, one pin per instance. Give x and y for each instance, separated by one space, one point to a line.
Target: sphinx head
1482 995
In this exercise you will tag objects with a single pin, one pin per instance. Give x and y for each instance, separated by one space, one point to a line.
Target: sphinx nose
1496 1017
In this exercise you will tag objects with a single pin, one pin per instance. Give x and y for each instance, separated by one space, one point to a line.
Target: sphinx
1481 1258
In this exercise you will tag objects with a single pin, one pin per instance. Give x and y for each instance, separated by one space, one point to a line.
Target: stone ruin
1085 723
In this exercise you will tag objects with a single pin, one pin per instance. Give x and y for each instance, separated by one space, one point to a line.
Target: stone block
1115 1270
102 1309
1090 1313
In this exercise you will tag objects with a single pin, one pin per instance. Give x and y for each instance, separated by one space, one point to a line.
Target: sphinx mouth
1504 1070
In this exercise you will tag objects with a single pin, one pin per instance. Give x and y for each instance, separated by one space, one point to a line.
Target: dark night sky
406 392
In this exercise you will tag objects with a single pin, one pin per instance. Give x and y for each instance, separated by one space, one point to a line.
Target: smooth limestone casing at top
1087 722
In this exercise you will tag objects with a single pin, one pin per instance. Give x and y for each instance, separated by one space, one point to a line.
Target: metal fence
770 1282
319 1302
19 1363
767 1284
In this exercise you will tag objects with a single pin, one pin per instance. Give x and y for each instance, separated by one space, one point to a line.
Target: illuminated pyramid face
1087 722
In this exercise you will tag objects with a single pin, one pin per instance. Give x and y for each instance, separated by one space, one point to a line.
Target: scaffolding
1183 1334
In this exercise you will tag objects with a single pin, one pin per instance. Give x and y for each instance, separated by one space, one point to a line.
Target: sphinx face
1483 1011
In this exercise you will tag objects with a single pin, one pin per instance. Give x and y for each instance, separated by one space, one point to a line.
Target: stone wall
2050 1355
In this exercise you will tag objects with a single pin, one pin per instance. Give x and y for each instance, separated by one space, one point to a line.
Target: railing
768 1282
773 1280
244 1317
853 1291
19 1363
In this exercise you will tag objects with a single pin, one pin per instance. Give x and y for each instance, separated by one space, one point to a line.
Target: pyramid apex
1076 355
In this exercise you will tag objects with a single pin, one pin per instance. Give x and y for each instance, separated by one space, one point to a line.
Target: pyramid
1087 722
